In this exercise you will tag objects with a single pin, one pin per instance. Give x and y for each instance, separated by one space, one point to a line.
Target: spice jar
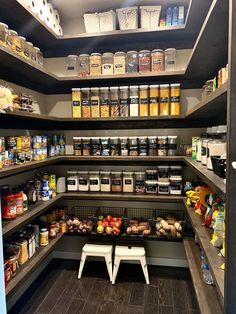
139 182
144 61
153 100
174 99
124 101
43 237
164 100
83 65
175 186
76 103
53 230
9 207
124 147
63 226
151 175
95 146
152 146
157 57
128 182
95 60
143 100
27 50
85 102
83 179
105 146
105 181
170 59
134 101
172 145
86 146
175 171
11 39
119 62
132 62
104 102
72 181
3 33
133 146
143 146
162 145
164 188
114 101
72 65
39 56
151 187
94 181
116 181
107 63
94 101
114 146
163 173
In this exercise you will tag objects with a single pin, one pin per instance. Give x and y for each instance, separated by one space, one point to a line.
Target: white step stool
130 253
97 250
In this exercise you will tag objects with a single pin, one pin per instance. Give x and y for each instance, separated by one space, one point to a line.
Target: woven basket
128 18
91 22
150 16
107 21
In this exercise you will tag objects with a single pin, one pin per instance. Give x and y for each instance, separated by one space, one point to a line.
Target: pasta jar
94 181
95 66
114 146
85 103
132 61
83 180
124 147
163 173
107 63
43 237
153 100
143 100
164 100
170 59
164 188
152 146
143 146
151 187
133 101
139 182
39 56
105 181
128 182
95 146
94 102
72 65
27 50
20 45
172 145
104 102
124 101
176 186
119 62
162 145
116 181
174 99
114 101
144 61
12 39
105 146
3 33
76 103
157 60
86 146
83 65
133 146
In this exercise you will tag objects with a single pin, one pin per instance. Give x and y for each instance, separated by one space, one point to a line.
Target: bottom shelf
27 269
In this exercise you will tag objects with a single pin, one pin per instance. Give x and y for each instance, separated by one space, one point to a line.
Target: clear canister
114 146
3 33
132 61
143 146
152 146
77 144
86 146
10 39
163 173
174 99
83 65
94 102
95 146
20 45
33 54
128 182
119 62
105 146
72 65
133 146
124 146
83 181
170 59
107 63
76 103
94 181
139 182
162 145
27 49
144 61
105 181
158 60
134 101
153 100
85 102
114 101
172 145
143 100
116 181
95 60
104 102
164 100
39 56
124 101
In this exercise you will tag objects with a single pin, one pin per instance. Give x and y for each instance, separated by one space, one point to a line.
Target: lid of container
163 167
154 86
128 173
208 130
140 173
29 43
77 138
158 50
37 49
95 54
162 136
116 172
104 138
72 56
95 138
172 136
114 88
163 183
175 85
104 88
107 54
152 137
176 179
132 52
124 87
96 89
134 87
85 89
114 138
170 49
75 89
3 24
82 172
44 230
23 38
176 167
93 172
151 182
13 32
86 138
119 53
151 170
123 138
84 55
143 86
105 172
164 86
222 129
144 51
71 172
133 138
214 129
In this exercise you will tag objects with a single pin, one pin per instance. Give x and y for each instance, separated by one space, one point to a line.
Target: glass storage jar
105 181
134 101
39 56
151 174
170 59
3 33
94 102
33 54
174 99
20 43
132 61
95 63
85 103
143 100
162 145
163 173
83 64
144 61
175 171
151 187
77 146
124 101
128 182
143 146
83 179
76 103
27 49
152 146
153 100
105 146
72 65
104 102
107 63
139 182
114 146
114 101
124 146
204 146
164 100
94 181
133 146
175 186
95 146
116 181
11 34
158 60
86 146
164 188
119 62
72 180
172 145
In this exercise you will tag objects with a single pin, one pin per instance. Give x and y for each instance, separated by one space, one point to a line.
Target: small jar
139 182
114 101
20 45
39 57
143 100
107 63
153 100
83 65
119 62
175 186
162 145
95 146
151 175
72 65
33 54
72 181
43 237
12 39
164 100
76 103
85 102
9 207
163 173
133 146
104 102
170 59
53 230
128 182
63 226
86 146
27 50
105 146
105 181
94 102
158 60
94 181
83 181
144 61
3 33
151 187
172 145
143 146
175 171
134 101
132 62
12 263
164 188
114 146
116 181
95 60
174 99
152 146
124 146
124 101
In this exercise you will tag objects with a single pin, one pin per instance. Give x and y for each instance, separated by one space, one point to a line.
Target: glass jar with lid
124 146
170 59
162 145
139 182
104 102
85 102
124 101
172 145
39 56
114 146
175 186
174 99
175 171
83 64
133 146
163 173
151 186
107 63
143 146
95 60
20 44
164 100
153 100
143 100
72 180
94 102
152 146
95 146
216 146
33 54
12 35
128 182
114 101
151 174
3 33
86 146
119 62
72 65
132 62
158 60
27 50
105 146
83 179
77 144
116 181
105 181
94 181
204 146
144 61
134 101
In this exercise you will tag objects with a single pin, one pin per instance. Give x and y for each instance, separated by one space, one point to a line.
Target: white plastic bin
128 18
91 22
107 21
150 16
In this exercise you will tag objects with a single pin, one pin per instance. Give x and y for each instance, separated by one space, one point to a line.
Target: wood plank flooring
58 291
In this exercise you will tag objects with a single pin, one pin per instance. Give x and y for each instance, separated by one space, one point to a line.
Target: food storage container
104 102
172 145
164 99
86 146
3 33
10 38
39 56
143 100
150 16
94 102
124 101
116 181
151 174
105 181
33 54
132 62
175 171
139 182
128 18
162 145
217 145
158 60
151 187
124 146
163 173
170 59
204 146
134 101
144 61
83 178
76 103
94 181
114 146
20 43
143 146
119 62
95 63
83 65
133 146
107 63
152 146
95 146
27 49
105 146
114 101
77 146
174 99
107 21
85 103
176 186
153 100
128 182
72 65
72 181
163 187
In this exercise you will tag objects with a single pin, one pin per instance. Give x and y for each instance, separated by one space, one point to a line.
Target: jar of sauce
43 237
9 207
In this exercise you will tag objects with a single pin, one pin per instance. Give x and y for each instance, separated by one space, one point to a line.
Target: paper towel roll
34 6
57 17
49 16
25 2
59 30
41 11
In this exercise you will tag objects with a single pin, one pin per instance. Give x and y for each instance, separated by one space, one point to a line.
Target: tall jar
172 145
33 54
72 181
158 60
20 45
133 146
114 146
153 100
77 144
164 100
105 181
83 181
105 146
114 101
85 102
12 35
86 146
72 65
94 181
143 146
76 103
124 146
95 146
152 146
104 102
39 56
124 101
132 61
134 101
119 62
174 99
143 100
139 182
3 33
144 61
116 181
170 59
162 145
95 60
128 182
83 64
107 63
94 102
27 50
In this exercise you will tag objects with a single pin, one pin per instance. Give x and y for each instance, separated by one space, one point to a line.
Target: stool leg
81 266
115 269
109 265
145 269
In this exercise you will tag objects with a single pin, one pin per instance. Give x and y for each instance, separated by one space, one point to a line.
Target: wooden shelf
26 269
204 235
206 294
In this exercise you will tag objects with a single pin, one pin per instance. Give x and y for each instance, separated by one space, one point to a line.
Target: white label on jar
93 181
105 181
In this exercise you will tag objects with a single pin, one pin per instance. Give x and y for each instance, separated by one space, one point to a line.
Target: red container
9 207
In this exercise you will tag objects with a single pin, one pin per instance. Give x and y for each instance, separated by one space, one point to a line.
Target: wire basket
91 22
82 220
138 222
111 220
150 16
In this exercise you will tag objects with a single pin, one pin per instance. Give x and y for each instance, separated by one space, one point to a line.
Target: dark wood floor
59 291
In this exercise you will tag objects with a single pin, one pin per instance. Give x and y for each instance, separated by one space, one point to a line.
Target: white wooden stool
97 250
130 253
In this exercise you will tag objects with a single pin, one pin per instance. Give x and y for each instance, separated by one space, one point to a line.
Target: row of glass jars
127 181
121 62
124 101
18 44
125 146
